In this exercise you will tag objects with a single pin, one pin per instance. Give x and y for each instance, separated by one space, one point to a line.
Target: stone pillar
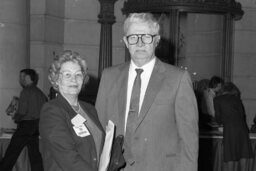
14 56
174 35
106 19
227 60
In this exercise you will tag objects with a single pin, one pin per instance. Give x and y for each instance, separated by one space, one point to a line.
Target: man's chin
140 56
141 61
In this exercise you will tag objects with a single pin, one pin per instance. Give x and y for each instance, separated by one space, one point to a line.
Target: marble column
227 60
14 48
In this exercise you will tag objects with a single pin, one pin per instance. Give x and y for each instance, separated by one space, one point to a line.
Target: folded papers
106 152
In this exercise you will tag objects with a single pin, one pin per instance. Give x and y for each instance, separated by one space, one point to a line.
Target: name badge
81 130
78 120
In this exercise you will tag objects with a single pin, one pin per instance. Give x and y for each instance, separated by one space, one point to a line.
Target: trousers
26 134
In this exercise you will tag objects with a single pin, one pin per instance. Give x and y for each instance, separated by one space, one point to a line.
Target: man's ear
125 41
158 37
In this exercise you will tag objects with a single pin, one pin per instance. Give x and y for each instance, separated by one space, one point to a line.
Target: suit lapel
72 113
94 119
122 94
92 116
66 106
153 88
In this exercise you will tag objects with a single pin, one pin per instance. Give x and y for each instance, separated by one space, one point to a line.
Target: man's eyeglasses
79 76
145 38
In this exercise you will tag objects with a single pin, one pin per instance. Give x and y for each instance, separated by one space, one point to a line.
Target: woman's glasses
79 76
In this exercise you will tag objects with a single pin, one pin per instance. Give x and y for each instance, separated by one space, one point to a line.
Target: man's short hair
142 18
215 80
32 73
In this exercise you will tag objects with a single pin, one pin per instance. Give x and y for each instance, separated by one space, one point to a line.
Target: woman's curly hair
66 56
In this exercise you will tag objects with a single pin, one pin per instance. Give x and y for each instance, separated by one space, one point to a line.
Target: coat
166 134
61 148
229 111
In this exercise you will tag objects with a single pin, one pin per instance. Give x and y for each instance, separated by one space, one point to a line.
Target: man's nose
140 43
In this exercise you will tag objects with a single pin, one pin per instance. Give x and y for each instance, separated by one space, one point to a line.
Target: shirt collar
147 67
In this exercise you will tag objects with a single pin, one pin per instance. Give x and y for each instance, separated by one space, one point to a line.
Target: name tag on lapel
81 130
79 127
78 120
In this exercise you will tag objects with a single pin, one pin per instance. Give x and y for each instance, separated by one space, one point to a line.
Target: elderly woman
72 136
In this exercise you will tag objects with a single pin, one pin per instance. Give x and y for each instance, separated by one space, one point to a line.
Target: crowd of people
152 104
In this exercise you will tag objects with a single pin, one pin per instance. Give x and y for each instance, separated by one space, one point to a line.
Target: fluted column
174 35
227 60
106 19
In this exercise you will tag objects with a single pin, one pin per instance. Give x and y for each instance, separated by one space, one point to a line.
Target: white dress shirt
209 95
145 76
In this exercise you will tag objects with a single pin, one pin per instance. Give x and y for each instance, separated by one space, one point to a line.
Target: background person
72 136
27 117
230 112
204 118
164 133
210 93
52 93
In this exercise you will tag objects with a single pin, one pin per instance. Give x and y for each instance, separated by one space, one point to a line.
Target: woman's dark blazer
61 148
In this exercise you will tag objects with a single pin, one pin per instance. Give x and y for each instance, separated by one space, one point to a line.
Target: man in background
215 86
152 103
27 119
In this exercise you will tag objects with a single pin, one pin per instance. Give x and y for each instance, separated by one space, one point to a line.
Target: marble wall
244 70
46 36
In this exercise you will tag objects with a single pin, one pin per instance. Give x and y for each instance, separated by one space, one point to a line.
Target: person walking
31 101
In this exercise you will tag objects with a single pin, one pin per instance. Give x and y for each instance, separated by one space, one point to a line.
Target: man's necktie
134 107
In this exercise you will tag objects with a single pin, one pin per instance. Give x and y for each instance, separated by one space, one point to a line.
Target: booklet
106 152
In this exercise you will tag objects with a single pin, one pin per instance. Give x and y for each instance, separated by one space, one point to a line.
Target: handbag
117 161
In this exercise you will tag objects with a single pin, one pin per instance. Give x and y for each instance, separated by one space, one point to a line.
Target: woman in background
229 111
71 134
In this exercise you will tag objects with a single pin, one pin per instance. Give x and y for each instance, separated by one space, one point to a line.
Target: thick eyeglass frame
142 37
66 75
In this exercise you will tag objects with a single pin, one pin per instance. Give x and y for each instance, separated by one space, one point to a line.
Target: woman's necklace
76 108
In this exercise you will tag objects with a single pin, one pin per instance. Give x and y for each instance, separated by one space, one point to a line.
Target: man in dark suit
27 119
164 134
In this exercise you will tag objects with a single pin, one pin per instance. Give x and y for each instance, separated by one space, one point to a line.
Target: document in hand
106 152
13 106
